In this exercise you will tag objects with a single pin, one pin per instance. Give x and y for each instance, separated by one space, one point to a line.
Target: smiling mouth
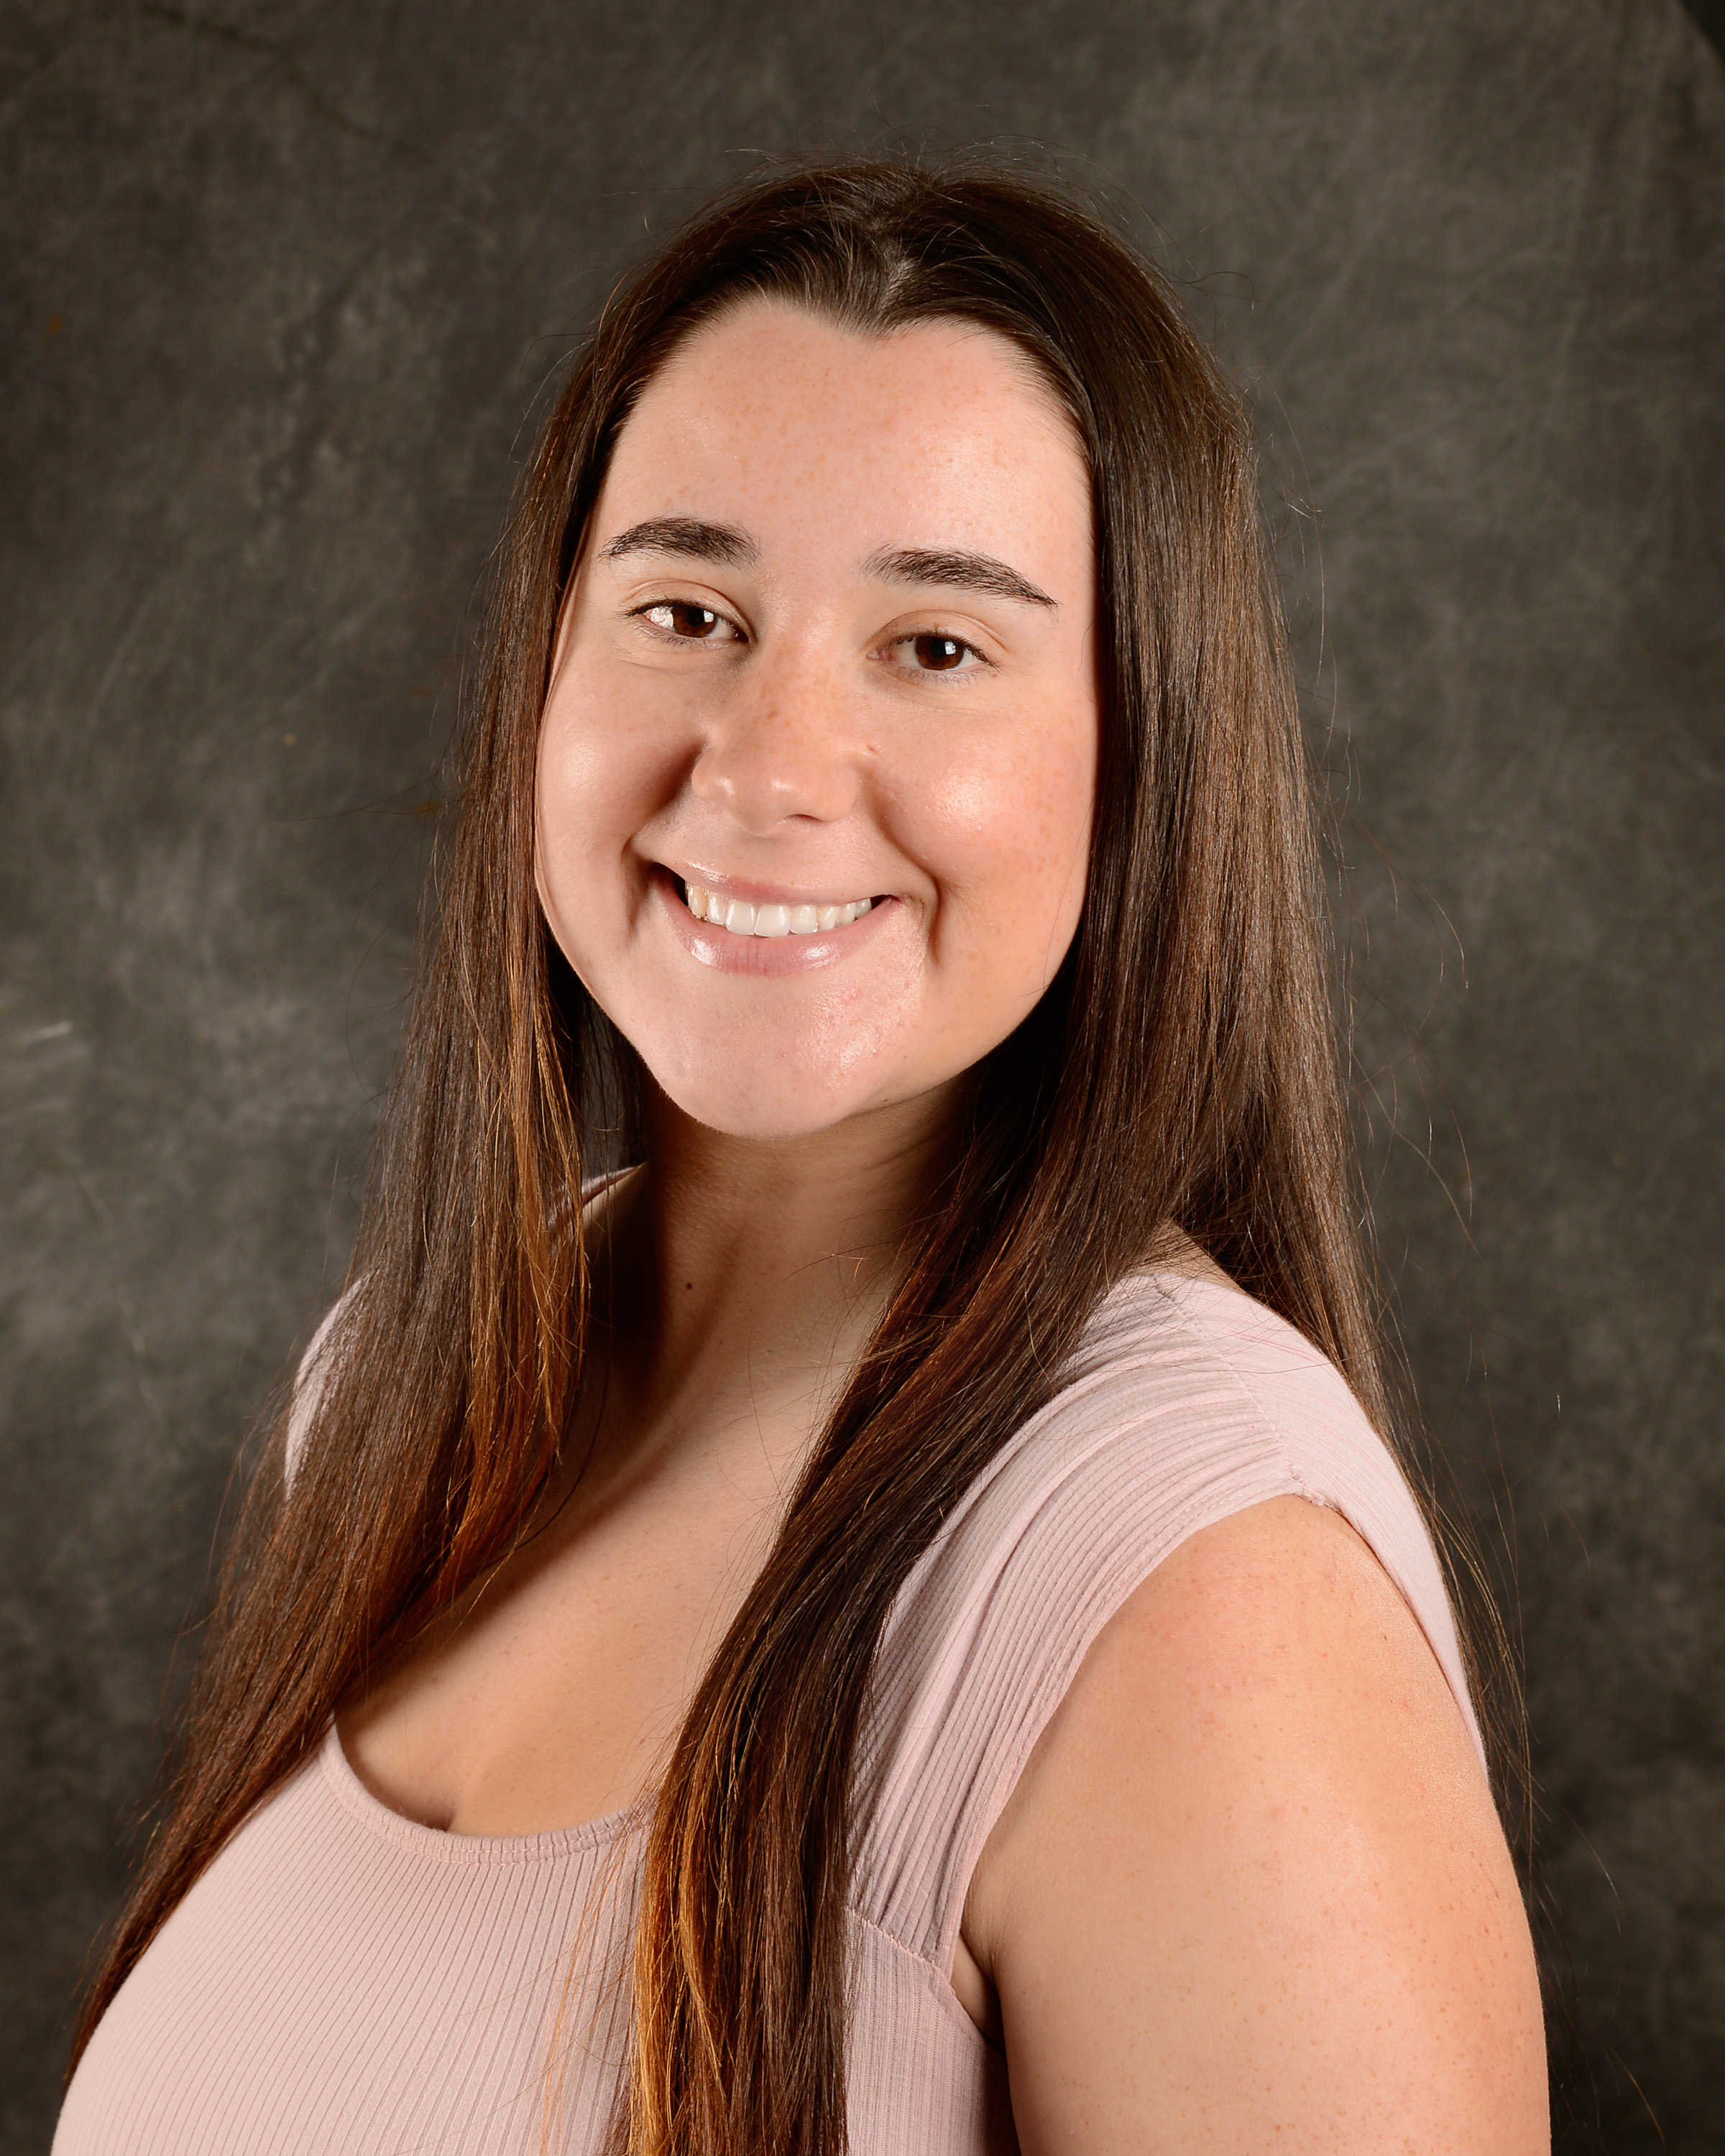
742 919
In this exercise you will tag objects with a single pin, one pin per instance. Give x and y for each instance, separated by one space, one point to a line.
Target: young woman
890 1622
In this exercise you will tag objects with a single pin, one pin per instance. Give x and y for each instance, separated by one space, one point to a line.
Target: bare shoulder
1252 1888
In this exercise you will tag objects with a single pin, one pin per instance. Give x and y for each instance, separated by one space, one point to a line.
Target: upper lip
767 894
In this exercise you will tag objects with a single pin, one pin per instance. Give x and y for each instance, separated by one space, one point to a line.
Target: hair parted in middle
1181 1069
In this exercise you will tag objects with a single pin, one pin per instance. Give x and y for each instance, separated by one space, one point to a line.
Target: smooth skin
831 637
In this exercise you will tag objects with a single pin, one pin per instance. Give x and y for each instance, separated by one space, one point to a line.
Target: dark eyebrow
966 572
684 535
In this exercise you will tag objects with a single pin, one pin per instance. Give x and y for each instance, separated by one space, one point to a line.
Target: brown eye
938 655
683 618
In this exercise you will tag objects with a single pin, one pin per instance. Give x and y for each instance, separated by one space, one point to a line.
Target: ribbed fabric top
343 1981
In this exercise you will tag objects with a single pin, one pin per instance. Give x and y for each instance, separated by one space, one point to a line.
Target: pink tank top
344 1982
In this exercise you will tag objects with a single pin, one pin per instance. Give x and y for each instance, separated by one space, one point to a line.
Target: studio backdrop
285 281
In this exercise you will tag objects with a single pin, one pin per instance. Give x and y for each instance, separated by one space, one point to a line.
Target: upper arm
1250 1891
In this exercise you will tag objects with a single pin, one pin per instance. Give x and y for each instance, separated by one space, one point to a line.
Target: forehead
775 408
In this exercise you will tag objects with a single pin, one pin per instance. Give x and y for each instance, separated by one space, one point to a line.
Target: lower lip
765 957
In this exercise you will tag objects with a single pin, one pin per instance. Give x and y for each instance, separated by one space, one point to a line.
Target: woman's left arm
1250 1892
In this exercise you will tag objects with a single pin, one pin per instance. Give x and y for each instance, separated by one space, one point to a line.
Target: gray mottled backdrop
283 280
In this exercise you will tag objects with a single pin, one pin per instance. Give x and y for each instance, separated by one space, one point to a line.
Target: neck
745 1274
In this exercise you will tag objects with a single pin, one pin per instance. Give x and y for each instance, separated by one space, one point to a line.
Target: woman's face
829 641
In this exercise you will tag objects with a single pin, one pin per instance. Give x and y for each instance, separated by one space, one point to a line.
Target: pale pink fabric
341 1982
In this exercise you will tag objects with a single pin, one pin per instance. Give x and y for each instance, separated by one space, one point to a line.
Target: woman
890 1623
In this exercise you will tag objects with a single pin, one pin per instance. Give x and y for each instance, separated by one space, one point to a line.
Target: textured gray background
283 280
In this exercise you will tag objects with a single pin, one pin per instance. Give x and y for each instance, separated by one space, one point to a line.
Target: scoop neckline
444 1846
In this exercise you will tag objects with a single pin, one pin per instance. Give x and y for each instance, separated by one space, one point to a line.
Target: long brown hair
1182 1068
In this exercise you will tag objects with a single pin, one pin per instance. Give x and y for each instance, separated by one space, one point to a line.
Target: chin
736 1089
739 1110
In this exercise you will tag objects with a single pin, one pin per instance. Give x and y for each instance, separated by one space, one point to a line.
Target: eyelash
911 636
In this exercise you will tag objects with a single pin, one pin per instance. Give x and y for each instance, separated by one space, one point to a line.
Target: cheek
1007 835
599 778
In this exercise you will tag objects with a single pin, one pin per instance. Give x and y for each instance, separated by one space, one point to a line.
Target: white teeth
742 919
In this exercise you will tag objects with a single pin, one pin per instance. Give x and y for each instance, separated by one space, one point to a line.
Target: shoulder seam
1248 1391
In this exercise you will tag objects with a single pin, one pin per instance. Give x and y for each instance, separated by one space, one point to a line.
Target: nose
778 748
